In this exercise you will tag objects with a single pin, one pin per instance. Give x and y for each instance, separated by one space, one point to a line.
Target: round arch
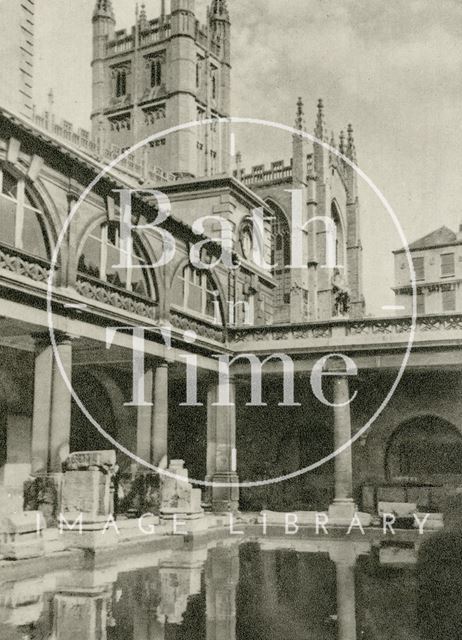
176 275
103 399
424 447
39 228
141 246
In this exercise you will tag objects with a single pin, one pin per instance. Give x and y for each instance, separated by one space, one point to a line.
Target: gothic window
22 220
195 291
280 256
339 239
121 83
214 74
199 62
101 258
156 73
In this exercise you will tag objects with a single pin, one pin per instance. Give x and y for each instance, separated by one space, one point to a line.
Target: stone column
51 422
343 508
224 498
60 422
211 438
159 424
221 578
144 420
342 434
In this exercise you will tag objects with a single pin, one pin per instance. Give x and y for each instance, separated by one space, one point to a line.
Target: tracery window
121 83
156 73
22 220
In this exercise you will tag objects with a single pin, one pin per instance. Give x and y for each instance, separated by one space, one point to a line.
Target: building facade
437 264
193 316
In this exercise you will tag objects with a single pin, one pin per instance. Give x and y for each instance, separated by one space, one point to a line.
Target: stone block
398 509
177 494
21 535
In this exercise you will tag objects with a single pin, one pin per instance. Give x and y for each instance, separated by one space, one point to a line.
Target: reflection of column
225 498
159 425
180 579
146 625
342 434
221 578
345 560
52 405
80 615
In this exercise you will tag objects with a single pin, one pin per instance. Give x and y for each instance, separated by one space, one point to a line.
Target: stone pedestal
178 497
87 493
180 578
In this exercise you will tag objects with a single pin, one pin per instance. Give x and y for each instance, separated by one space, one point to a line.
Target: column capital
42 339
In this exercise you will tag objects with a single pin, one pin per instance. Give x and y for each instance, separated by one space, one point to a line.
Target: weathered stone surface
177 494
21 535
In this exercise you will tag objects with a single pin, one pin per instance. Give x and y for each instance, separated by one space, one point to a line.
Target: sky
393 69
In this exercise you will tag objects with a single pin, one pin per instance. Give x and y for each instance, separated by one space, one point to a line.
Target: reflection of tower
222 575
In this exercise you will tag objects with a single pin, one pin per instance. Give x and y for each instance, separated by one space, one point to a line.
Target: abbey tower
165 71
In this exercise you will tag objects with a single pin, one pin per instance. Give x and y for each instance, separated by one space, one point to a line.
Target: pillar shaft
60 423
144 419
342 434
223 448
159 424
51 423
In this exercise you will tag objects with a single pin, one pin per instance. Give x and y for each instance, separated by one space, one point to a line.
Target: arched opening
84 435
424 449
195 290
101 256
281 257
340 240
22 218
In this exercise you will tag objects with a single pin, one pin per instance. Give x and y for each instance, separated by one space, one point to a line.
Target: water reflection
318 589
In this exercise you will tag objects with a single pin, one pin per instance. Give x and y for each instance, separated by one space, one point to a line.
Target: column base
225 499
342 512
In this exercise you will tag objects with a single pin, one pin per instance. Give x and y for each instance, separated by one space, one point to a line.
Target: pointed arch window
195 291
121 83
281 257
22 220
101 256
156 73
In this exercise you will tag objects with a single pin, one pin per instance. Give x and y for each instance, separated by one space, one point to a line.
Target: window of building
448 265
199 63
449 300
420 304
22 221
156 73
281 257
214 75
195 290
121 83
419 267
101 256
